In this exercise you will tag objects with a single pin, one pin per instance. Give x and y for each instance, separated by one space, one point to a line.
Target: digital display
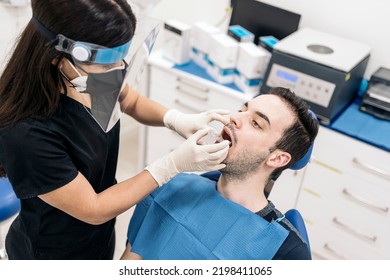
287 76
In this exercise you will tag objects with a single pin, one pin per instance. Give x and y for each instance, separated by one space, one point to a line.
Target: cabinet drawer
335 246
183 93
333 225
347 155
343 189
192 94
345 205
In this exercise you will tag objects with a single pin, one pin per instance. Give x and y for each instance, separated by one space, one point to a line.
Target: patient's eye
255 124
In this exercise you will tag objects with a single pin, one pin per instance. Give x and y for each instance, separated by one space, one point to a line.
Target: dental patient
193 217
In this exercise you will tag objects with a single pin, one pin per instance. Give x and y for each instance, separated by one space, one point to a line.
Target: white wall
365 21
12 21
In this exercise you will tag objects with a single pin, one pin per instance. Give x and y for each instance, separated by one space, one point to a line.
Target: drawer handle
184 105
365 202
194 95
334 252
204 89
354 232
370 168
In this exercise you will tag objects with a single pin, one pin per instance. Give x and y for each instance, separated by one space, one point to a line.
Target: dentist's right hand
190 156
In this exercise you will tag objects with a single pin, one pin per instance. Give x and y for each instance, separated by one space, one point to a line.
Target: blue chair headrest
303 161
306 158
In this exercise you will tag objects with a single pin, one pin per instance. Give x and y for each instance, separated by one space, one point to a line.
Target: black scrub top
43 154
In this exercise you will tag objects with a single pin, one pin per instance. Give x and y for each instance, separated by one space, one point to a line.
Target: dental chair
9 206
292 215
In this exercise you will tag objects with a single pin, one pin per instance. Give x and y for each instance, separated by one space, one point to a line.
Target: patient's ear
278 159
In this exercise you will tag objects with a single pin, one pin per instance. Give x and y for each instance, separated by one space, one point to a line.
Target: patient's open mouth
225 135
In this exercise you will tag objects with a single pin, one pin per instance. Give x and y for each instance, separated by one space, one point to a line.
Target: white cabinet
345 199
286 189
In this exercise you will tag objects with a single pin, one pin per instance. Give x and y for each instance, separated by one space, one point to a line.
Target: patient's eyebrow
260 114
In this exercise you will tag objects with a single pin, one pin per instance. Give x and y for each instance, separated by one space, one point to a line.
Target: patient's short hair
297 138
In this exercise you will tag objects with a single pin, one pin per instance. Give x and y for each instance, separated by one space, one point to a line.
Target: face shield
103 77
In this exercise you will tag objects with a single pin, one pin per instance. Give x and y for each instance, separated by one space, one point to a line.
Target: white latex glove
188 157
187 124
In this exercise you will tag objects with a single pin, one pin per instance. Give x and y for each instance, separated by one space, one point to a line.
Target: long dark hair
31 81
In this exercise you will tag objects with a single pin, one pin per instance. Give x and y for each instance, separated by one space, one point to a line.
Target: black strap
43 29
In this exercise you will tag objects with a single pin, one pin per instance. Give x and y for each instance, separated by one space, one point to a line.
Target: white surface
345 56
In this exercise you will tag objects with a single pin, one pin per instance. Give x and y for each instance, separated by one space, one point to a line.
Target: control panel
305 86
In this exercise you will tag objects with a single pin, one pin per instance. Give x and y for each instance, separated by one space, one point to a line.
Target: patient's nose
235 119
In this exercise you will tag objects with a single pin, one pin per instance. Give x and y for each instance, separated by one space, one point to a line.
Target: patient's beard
243 165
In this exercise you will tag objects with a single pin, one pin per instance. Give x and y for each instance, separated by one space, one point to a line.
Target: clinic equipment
263 19
176 44
200 42
9 206
240 34
222 58
324 69
268 42
376 100
252 62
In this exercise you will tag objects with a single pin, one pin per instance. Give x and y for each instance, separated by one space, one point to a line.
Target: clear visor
106 77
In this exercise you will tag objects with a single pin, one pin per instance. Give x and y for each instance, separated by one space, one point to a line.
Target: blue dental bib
188 219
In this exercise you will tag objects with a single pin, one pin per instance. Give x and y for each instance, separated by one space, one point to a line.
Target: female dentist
62 92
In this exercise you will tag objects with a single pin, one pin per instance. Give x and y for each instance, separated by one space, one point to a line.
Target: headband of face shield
83 51
103 89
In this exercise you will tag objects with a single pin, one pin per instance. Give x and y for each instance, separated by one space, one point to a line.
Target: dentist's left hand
188 124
